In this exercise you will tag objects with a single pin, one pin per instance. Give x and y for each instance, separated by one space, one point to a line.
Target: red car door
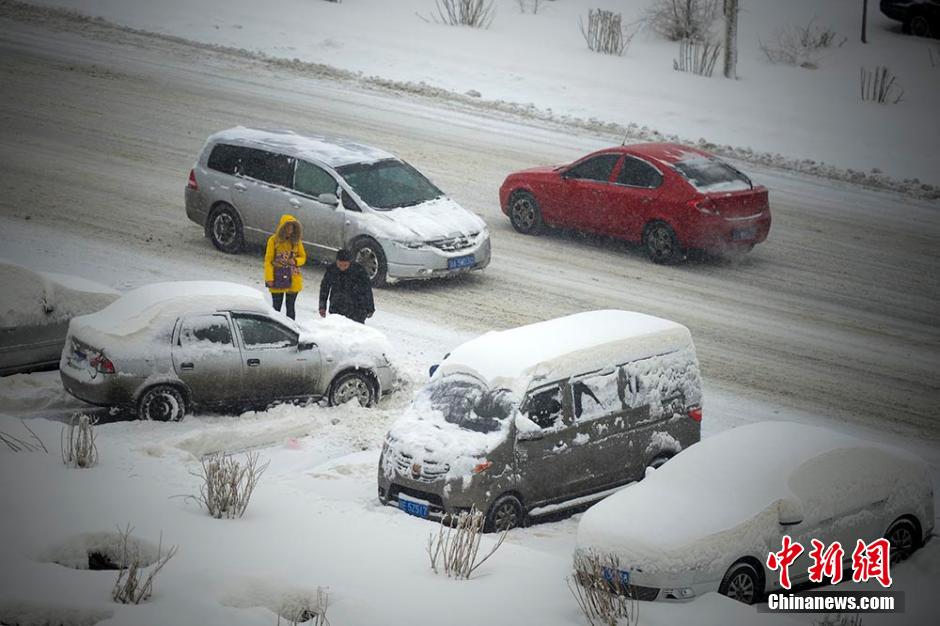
629 200
583 192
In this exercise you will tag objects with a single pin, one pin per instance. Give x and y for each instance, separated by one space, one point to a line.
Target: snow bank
32 298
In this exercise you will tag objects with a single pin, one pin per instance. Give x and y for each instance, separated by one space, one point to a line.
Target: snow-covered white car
707 520
166 347
35 314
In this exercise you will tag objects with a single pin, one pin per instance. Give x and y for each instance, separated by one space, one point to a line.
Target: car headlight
410 245
678 593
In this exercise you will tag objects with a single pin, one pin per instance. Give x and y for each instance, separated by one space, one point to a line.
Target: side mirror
530 435
305 345
433 369
789 512
526 429
328 198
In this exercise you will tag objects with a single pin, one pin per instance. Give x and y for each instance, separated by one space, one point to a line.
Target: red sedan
669 197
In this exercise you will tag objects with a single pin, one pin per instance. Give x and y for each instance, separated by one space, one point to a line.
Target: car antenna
624 142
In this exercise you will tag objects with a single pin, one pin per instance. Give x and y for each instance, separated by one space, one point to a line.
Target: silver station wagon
397 224
164 348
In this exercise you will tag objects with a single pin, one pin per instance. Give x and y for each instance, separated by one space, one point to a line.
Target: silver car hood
441 218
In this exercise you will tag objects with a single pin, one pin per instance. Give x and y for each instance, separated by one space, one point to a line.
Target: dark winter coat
349 292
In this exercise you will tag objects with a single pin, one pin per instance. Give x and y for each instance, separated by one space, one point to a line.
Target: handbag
283 277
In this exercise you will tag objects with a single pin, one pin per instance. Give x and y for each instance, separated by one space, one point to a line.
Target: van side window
268 167
597 395
312 180
225 158
667 383
545 408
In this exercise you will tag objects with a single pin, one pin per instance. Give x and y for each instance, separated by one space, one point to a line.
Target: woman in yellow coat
282 260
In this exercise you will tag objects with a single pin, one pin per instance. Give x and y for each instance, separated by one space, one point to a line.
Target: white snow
35 298
333 151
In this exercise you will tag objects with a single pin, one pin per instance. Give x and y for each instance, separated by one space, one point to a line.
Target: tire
920 26
661 243
743 583
904 539
163 403
506 513
352 385
369 254
659 461
525 215
224 229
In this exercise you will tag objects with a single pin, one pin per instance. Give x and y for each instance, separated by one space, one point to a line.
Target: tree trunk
864 21
731 38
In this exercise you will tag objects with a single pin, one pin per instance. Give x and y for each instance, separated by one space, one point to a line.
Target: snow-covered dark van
524 422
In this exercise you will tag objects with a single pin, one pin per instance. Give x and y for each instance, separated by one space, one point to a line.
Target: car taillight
103 364
479 468
695 413
706 206
192 184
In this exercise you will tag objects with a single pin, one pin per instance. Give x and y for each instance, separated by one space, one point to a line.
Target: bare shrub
77 442
529 6
227 484
604 598
840 619
605 32
697 57
15 444
802 46
305 610
879 85
134 584
456 546
682 19
473 13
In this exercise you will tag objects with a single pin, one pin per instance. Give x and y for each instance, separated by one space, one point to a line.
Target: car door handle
254 362
239 187
187 366
294 202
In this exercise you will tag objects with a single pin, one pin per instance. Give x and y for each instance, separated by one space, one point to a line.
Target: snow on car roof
31 297
721 482
333 151
137 310
667 152
563 346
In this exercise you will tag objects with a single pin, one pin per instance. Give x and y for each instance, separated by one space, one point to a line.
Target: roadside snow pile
102 550
36 614
32 298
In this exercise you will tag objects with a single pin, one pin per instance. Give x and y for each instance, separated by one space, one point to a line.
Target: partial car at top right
669 197
918 17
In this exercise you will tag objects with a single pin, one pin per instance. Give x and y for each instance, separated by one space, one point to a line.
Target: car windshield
388 184
466 402
709 174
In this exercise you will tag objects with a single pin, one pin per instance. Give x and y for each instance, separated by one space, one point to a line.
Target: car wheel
224 229
741 583
371 257
506 513
661 243
920 26
163 403
902 535
659 461
525 214
352 386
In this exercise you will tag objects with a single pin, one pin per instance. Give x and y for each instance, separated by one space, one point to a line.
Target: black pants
278 298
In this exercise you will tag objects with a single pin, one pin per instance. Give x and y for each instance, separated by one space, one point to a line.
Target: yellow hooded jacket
284 248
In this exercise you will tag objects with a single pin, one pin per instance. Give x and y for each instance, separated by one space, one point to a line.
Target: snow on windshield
389 184
711 175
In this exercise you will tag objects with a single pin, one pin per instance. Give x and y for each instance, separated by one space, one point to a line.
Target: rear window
707 174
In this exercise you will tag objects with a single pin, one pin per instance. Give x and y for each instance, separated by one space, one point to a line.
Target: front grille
639 592
453 244
647 594
429 472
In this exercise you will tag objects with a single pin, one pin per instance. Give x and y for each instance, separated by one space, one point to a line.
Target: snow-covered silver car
34 317
164 348
397 224
707 520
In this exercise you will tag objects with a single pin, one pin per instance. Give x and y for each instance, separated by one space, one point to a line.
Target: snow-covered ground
542 62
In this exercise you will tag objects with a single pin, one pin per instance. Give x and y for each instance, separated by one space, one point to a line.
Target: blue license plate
413 507
461 261
743 234
611 576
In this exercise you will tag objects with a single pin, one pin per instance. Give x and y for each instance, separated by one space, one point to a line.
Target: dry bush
604 599
605 32
77 442
473 13
529 6
306 610
697 57
682 19
15 444
227 484
457 544
134 584
879 85
802 46
840 619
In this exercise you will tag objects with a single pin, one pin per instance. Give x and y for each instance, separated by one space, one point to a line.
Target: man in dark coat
346 286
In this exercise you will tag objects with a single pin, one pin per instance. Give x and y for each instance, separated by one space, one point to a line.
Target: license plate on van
413 506
461 261
743 234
